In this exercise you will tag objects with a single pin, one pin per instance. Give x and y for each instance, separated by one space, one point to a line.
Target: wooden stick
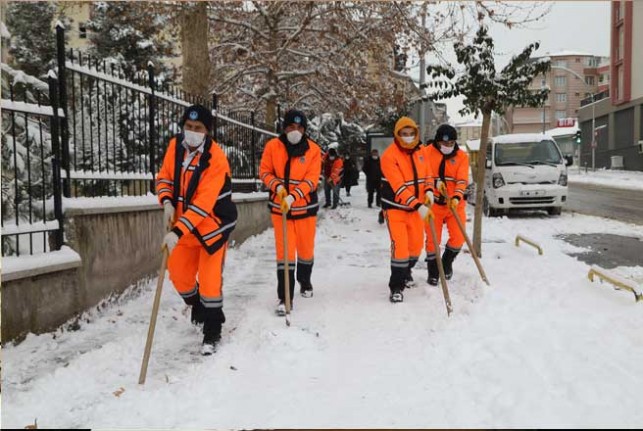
466 238
284 219
438 258
155 310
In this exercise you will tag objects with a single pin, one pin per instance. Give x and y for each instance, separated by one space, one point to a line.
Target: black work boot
447 262
197 312
434 274
396 295
214 319
306 289
197 315
211 337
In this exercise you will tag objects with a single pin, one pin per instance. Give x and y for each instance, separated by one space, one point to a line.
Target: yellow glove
426 213
428 200
281 192
286 203
442 187
453 203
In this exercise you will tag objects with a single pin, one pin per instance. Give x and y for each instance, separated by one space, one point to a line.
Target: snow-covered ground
541 347
632 180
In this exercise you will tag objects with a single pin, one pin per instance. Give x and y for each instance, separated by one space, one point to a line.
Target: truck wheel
554 210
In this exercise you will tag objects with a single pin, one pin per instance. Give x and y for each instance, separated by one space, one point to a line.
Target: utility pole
422 82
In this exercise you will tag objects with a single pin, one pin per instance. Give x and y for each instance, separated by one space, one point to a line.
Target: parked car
525 171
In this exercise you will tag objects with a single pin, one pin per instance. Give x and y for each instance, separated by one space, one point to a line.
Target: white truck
524 171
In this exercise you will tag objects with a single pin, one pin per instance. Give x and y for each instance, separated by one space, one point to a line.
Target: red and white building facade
618 113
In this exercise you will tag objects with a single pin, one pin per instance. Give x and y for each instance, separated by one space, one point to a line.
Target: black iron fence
107 139
32 216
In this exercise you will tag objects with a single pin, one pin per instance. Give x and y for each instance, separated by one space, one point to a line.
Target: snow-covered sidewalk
541 347
632 180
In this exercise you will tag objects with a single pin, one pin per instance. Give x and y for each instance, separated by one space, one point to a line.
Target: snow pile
632 180
541 347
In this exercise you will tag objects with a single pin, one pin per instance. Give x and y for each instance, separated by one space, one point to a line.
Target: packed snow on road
541 347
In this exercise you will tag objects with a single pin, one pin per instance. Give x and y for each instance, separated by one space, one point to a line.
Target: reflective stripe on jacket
301 176
199 186
453 169
406 177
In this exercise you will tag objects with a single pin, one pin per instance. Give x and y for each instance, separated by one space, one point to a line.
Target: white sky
570 25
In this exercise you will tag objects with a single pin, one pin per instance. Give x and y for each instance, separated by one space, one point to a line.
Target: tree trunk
194 49
482 157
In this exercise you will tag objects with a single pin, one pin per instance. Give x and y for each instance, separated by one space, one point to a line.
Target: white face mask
294 136
374 157
408 139
446 150
331 157
193 139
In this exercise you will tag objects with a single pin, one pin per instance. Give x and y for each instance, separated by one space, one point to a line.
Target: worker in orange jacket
195 188
407 194
450 166
333 174
290 169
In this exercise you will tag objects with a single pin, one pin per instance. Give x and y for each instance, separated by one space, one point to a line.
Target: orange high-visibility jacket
406 177
199 186
298 173
452 169
336 169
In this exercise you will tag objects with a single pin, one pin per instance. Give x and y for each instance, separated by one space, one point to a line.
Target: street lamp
592 93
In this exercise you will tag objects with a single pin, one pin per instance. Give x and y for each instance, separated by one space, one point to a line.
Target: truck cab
524 171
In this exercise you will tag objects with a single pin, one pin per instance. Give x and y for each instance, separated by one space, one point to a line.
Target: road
619 204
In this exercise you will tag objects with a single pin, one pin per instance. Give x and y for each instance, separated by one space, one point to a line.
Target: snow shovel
155 310
438 258
284 222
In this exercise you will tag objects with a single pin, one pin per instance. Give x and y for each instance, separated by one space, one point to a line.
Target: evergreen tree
132 34
33 43
486 91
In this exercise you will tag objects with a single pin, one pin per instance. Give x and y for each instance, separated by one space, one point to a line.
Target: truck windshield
528 153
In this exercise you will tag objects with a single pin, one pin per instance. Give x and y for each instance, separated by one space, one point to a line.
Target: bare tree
193 18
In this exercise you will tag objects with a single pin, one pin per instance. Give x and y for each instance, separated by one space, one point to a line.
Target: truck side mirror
488 164
569 160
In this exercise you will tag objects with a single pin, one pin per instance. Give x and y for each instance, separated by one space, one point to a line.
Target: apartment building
617 114
573 77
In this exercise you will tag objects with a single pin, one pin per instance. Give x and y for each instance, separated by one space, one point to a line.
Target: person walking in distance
450 167
333 174
373 172
351 174
290 169
406 198
195 188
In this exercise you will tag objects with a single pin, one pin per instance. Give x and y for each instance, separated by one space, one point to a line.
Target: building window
560 81
561 114
561 97
82 30
621 44
560 63
589 80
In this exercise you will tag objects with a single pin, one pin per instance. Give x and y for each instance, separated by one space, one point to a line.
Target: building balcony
597 97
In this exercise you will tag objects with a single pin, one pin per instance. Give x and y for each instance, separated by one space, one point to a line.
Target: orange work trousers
405 230
443 215
189 261
301 246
